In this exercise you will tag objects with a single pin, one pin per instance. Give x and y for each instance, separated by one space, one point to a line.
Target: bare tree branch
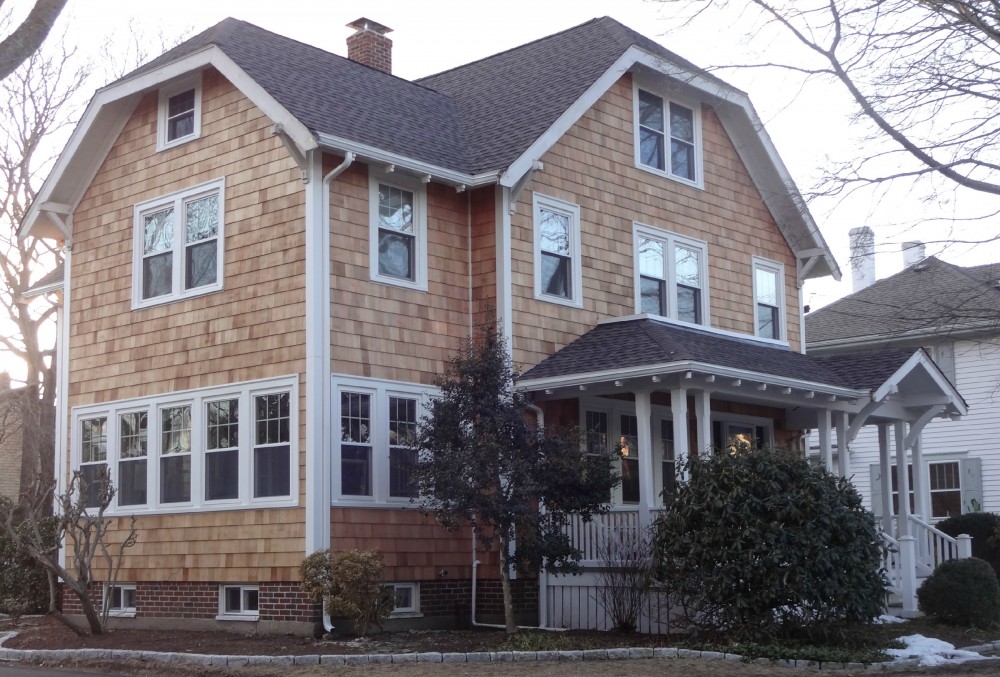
29 36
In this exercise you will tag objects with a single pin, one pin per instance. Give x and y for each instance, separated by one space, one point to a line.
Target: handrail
934 530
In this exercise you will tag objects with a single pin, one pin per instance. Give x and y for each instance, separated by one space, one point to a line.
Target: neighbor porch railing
934 546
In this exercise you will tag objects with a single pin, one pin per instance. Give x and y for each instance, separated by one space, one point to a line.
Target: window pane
158 231
355 423
651 257
179 103
395 209
222 475
689 305
682 159
180 127
251 599
401 463
946 503
200 264
271 471
157 275
132 482
597 432
650 111
128 595
272 412
132 435
223 424
395 255
944 476
766 286
233 599
94 439
555 275
355 470
176 430
554 230
202 218
175 479
653 296
651 148
767 321
688 268
92 479
404 597
681 123
630 480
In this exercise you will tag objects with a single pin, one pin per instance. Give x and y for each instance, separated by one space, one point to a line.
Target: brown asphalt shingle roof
933 297
476 118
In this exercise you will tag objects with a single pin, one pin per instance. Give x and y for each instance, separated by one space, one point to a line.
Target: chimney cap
364 24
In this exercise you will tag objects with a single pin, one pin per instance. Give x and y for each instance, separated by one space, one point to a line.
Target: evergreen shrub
962 592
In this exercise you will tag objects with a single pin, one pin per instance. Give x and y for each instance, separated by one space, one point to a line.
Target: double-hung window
557 251
378 427
768 292
398 239
670 278
178 245
218 448
667 137
179 115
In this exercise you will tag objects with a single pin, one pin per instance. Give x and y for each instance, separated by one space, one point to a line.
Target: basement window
121 600
239 603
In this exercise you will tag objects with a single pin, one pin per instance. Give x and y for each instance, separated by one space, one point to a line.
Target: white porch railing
891 563
591 537
934 546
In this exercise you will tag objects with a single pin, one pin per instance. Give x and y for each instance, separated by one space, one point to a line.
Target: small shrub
962 592
984 527
758 543
624 578
350 585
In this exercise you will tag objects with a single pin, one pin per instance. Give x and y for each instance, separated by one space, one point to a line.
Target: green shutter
972 484
876 489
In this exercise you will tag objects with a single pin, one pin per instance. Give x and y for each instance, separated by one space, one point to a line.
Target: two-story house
272 250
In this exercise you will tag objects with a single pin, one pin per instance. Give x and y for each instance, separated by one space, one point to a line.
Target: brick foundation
285 602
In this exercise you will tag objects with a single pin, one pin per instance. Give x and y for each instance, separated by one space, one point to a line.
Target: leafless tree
80 525
28 37
923 73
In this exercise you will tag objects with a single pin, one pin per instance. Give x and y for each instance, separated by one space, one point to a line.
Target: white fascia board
681 367
368 153
38 291
921 359
108 112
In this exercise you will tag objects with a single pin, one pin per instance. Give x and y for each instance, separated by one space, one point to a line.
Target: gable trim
921 359
109 111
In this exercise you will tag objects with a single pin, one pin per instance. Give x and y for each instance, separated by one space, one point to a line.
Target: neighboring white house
952 312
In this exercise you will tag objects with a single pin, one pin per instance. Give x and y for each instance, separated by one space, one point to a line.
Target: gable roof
483 123
926 299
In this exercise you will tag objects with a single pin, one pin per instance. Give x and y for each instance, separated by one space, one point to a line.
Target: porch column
825 452
703 416
679 411
921 493
843 460
885 477
644 419
902 480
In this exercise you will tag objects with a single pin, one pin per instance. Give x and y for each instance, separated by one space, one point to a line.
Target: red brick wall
286 602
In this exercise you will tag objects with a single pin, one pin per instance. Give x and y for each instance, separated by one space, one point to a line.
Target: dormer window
667 137
179 118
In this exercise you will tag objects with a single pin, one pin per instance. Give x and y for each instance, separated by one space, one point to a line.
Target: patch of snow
885 619
932 651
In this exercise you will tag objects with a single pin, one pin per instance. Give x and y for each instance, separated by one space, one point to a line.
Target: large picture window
375 443
670 275
178 245
196 450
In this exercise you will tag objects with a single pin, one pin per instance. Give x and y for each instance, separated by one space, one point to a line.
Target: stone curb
634 653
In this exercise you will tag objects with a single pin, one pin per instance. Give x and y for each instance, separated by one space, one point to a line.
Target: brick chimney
369 44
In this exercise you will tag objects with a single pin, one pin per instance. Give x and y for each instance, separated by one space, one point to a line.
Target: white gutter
866 341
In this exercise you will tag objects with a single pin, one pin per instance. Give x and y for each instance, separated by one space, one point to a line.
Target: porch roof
645 342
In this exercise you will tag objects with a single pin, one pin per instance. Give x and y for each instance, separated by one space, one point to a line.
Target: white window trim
380 392
161 118
925 477
124 611
645 85
419 190
671 240
779 270
540 202
244 616
197 400
411 611
177 200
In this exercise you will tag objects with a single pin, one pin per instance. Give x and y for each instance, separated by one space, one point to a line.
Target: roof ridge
510 49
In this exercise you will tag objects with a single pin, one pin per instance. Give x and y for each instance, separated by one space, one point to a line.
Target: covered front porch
659 392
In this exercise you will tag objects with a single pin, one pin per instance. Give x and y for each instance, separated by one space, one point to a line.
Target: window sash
180 115
669 275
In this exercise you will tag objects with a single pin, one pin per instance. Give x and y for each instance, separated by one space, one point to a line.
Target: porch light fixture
656 379
710 378
831 398
618 384
786 391
810 394
687 376
389 169
583 387
548 391
762 387
737 383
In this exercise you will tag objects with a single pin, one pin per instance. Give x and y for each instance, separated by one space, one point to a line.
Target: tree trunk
508 598
89 611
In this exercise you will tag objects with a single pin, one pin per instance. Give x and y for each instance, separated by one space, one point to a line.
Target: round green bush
982 526
962 592
758 543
